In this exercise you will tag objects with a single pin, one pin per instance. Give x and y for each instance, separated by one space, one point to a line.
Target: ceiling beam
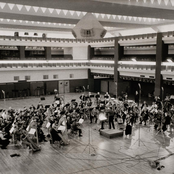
99 7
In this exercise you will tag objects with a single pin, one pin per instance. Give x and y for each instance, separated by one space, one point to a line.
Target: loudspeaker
42 98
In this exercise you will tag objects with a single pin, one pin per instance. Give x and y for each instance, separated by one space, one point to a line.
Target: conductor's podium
111 133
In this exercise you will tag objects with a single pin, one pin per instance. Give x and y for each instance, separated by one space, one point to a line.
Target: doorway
63 87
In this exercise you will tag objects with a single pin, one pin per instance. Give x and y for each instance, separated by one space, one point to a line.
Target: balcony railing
137 67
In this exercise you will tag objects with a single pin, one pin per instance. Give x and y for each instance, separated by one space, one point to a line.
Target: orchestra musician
94 114
57 134
28 141
4 139
111 114
97 96
107 97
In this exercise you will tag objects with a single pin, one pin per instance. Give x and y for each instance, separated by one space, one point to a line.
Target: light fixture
134 59
169 60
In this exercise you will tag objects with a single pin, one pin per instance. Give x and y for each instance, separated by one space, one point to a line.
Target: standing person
97 98
128 130
94 114
102 117
111 118
136 97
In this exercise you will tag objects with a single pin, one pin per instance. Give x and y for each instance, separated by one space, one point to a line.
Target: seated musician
4 139
144 105
28 141
56 97
82 97
144 115
57 134
75 126
89 102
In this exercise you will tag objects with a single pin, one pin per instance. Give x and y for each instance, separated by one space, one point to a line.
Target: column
90 52
90 76
161 52
118 53
47 52
21 52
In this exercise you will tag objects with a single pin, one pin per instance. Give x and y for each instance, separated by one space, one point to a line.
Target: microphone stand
139 138
89 145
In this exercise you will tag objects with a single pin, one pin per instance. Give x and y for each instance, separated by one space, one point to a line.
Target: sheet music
102 117
11 130
63 123
48 125
32 131
28 127
81 121
62 128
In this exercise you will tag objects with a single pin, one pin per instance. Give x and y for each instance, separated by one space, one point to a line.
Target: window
55 76
87 33
45 76
16 78
71 75
27 77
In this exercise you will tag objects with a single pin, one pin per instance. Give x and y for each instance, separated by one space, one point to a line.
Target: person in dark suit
128 130
110 113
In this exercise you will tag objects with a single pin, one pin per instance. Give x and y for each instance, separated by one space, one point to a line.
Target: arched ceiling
56 18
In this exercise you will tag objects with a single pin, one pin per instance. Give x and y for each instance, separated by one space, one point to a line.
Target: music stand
139 139
89 145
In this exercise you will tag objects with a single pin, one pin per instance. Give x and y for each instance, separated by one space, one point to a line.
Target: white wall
80 53
68 50
104 86
112 87
37 75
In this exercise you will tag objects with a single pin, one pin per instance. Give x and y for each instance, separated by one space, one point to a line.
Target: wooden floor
112 156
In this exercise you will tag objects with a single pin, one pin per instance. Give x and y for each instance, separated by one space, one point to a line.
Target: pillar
118 53
161 52
47 53
21 52
90 52
90 76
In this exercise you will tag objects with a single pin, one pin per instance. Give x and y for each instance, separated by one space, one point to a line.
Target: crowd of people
54 122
